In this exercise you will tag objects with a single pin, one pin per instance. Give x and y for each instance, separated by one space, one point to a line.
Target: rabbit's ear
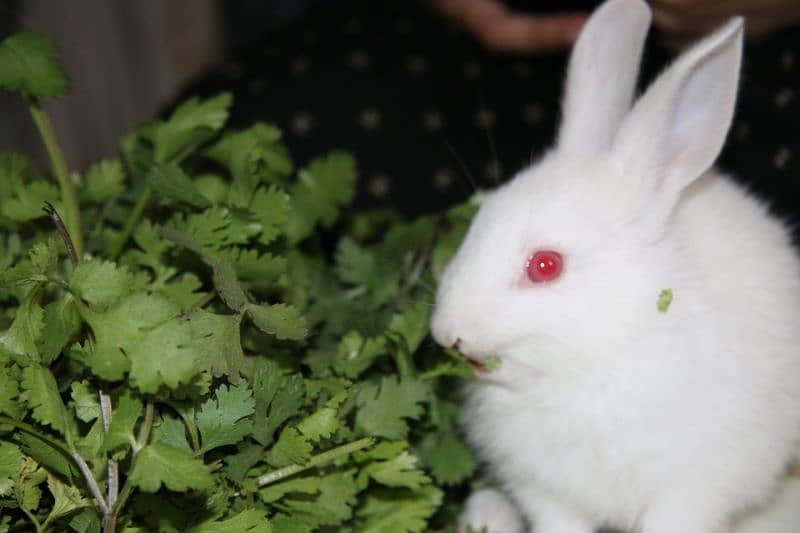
677 128
602 76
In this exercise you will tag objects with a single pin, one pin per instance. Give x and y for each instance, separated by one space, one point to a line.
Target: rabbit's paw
490 511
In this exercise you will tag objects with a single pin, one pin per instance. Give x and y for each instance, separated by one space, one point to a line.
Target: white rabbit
606 411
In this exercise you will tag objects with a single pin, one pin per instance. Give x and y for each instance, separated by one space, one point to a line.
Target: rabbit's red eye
544 265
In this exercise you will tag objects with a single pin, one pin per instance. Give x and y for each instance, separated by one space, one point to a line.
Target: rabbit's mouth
479 366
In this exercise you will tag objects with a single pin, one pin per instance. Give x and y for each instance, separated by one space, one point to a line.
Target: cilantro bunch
199 336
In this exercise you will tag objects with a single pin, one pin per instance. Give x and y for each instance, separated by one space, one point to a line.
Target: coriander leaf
251 155
67 499
20 339
258 271
62 323
355 353
447 456
27 202
271 208
228 286
398 511
168 179
192 123
298 485
281 320
384 408
219 342
278 398
9 391
322 423
85 521
323 188
101 283
289 524
399 471
40 393
29 64
123 422
247 521
359 266
29 477
291 448
104 181
333 505
412 325
664 300
10 459
238 464
44 453
225 418
177 469
85 398
171 431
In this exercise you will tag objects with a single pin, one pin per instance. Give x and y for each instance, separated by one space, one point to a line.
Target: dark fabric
430 115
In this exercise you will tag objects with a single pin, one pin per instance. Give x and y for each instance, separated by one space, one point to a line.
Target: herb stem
71 206
89 477
141 441
317 460
130 224
109 520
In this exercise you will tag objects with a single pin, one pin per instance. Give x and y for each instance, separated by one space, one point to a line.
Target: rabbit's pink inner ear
601 76
677 129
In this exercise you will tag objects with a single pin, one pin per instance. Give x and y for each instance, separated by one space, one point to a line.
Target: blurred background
435 97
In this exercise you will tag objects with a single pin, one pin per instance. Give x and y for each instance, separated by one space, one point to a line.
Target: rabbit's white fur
605 411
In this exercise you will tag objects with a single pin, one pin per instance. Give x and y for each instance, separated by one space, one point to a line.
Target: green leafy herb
202 361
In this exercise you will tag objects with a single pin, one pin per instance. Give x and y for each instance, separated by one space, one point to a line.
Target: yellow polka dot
300 65
782 157
359 60
417 65
433 120
532 112
302 123
493 170
472 69
485 118
784 97
379 186
369 118
443 178
787 60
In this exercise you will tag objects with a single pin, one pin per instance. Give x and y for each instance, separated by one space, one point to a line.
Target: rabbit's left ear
677 128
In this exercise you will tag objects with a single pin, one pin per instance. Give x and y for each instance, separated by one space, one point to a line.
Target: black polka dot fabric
431 116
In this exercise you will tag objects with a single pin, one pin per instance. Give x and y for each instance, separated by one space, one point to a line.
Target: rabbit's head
572 251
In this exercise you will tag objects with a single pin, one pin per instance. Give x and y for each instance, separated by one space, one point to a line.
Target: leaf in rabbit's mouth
485 366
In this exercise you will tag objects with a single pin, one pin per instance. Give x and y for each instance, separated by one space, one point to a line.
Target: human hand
681 22
503 30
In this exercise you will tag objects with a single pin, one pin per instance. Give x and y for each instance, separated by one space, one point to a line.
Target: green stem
72 212
141 442
130 224
317 460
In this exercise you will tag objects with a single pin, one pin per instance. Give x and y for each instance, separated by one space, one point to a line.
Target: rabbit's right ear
602 76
